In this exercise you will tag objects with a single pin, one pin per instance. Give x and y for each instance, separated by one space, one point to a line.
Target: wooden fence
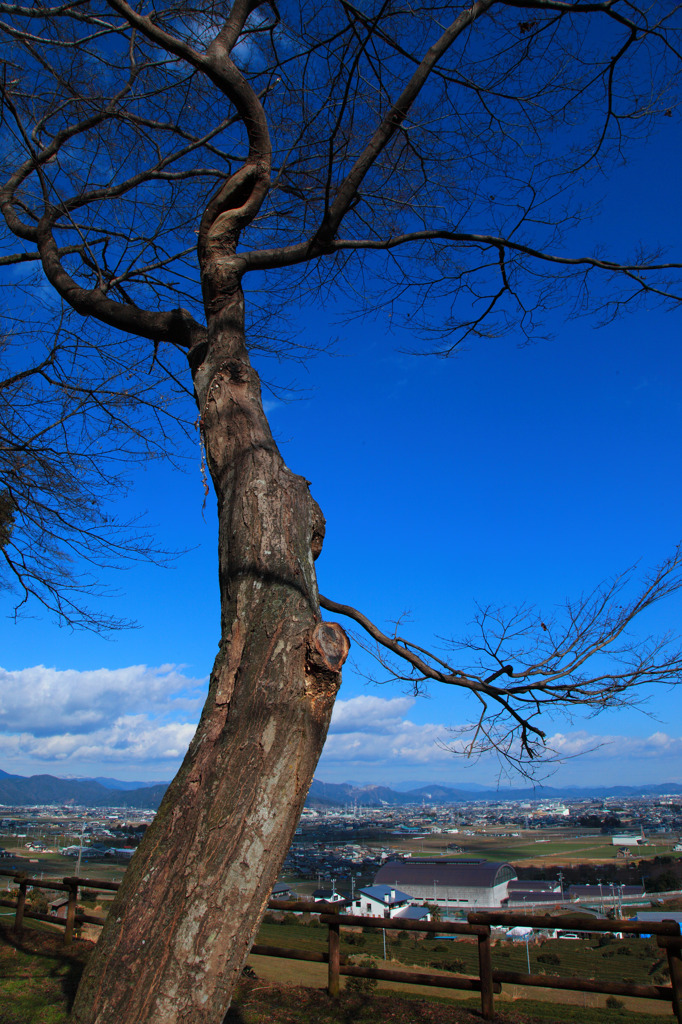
478 926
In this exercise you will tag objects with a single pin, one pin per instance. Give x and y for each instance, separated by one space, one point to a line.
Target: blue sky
503 475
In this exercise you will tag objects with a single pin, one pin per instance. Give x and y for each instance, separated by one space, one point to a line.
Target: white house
330 896
384 901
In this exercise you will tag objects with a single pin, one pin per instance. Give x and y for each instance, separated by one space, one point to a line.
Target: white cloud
129 739
56 721
129 719
375 730
658 744
370 714
47 702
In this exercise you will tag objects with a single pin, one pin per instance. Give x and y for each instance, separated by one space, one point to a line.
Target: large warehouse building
451 884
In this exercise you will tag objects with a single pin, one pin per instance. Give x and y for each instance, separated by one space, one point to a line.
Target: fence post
334 960
674 952
70 910
485 971
21 906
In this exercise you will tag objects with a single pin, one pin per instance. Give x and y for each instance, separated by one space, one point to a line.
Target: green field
632 960
534 847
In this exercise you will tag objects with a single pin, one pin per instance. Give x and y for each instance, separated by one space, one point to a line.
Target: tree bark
192 898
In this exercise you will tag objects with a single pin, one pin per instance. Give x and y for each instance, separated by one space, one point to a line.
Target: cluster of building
414 888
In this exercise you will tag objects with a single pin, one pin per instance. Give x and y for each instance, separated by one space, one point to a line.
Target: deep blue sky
503 475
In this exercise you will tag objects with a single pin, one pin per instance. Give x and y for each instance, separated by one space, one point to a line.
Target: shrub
549 958
456 966
38 903
613 1003
362 986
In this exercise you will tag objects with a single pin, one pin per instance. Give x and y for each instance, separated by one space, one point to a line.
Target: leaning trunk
191 900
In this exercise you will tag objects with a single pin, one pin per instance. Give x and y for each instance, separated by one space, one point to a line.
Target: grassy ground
632 960
38 978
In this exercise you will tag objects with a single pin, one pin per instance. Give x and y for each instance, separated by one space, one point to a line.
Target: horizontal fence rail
477 926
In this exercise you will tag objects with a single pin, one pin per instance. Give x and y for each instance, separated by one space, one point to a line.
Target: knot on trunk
236 370
328 648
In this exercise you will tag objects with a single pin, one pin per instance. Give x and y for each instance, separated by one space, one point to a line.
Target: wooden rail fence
478 926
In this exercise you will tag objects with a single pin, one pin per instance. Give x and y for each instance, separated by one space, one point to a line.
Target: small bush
614 1004
455 966
362 986
38 903
624 951
549 958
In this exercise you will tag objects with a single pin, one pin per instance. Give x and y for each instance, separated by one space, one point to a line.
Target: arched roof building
452 884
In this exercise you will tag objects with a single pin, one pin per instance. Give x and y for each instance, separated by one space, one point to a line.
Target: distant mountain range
16 790
327 794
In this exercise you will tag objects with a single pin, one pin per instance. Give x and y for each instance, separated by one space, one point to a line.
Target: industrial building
450 884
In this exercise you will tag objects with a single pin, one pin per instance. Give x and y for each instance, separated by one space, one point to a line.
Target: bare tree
168 163
75 415
521 665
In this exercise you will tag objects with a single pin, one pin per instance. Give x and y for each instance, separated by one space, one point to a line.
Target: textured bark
191 900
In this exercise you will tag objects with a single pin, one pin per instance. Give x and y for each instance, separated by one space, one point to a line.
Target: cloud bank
132 717
138 721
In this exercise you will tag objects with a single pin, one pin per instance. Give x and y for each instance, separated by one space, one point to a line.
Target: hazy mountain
46 789
409 787
335 795
338 794
16 790
119 784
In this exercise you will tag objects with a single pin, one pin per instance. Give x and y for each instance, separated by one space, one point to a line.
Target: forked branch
521 665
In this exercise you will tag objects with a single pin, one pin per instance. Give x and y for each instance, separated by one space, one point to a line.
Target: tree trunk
192 898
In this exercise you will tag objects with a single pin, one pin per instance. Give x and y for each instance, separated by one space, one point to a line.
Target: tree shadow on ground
67 962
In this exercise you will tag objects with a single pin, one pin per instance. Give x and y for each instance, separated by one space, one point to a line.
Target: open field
314 976
38 979
546 848
633 960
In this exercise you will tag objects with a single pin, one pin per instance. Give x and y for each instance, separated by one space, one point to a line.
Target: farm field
543 848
